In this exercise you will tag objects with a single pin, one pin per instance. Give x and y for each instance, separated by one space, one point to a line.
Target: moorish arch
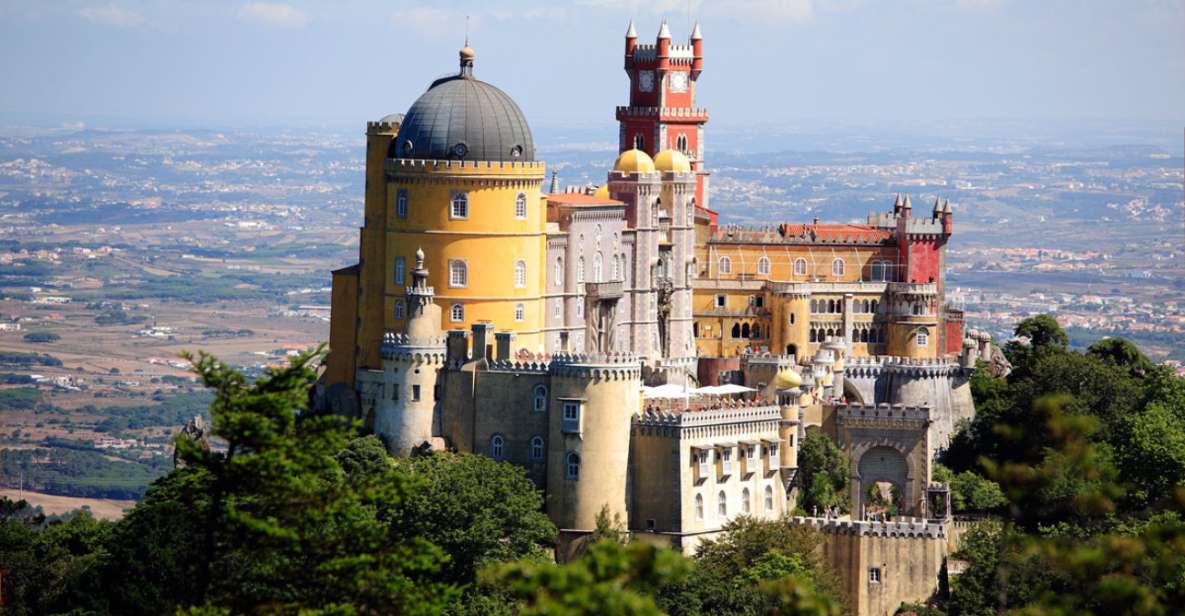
883 465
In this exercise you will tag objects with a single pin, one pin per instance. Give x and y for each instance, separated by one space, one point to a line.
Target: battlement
380 127
526 367
913 288
477 168
786 233
903 528
714 416
924 226
614 366
882 413
402 346
699 113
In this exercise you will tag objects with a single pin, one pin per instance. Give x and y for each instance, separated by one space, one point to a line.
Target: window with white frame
572 466
751 454
745 497
398 309
763 266
772 450
520 206
458 273
497 447
800 267
720 301
456 313
874 575
400 269
726 459
769 499
681 143
537 448
616 267
725 266
459 206
559 272
837 267
722 504
598 267
520 274
520 312
559 309
580 270
639 142
571 417
923 337
401 203
540 398
880 271
699 507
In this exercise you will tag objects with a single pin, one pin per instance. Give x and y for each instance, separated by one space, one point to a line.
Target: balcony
604 290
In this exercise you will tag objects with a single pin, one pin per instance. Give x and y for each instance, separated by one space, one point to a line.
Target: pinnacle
664 32
631 32
695 33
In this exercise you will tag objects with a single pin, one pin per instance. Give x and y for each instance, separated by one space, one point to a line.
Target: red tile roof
580 199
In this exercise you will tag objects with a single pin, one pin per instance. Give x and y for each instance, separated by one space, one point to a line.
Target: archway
884 481
792 349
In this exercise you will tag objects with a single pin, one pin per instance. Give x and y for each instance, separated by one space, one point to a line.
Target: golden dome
467 52
787 379
672 160
602 192
634 161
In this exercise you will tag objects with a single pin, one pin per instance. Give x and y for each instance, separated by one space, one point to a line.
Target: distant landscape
121 248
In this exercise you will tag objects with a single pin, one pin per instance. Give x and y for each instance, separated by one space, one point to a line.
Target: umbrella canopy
670 390
723 390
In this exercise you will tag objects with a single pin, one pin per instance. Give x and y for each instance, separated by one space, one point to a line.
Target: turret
663 45
697 51
631 43
937 207
948 219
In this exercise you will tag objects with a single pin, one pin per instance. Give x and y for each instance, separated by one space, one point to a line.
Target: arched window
639 142
792 318
864 335
831 306
722 504
398 309
745 330
880 271
923 337
745 505
681 143
580 270
616 268
837 267
540 398
725 265
497 447
875 306
814 306
800 267
769 499
756 332
763 266
520 312
559 272
400 269
572 466
814 336
598 267
866 306
736 330
520 206
699 507
459 206
520 274
456 313
458 273
536 448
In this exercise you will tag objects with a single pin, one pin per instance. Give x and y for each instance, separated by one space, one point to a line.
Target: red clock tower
662 114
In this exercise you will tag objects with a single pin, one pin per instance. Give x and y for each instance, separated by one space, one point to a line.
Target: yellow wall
490 240
372 249
343 330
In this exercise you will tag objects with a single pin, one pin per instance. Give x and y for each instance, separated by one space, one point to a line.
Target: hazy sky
340 63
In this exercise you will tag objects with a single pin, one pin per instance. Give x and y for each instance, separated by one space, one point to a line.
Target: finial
419 258
631 32
695 33
664 32
466 53
555 183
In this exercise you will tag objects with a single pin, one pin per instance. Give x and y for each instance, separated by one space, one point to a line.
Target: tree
822 472
479 510
1120 352
51 566
970 491
1043 332
610 579
285 528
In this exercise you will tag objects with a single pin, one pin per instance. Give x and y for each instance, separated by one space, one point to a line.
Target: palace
628 350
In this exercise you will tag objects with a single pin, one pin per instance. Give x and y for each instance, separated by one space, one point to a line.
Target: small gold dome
467 53
634 161
602 192
787 379
672 160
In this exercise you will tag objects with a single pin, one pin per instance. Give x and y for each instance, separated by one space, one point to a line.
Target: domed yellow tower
464 185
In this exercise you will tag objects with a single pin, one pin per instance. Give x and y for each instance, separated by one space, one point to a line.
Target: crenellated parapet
883 415
523 367
397 346
719 422
901 528
800 234
480 172
596 366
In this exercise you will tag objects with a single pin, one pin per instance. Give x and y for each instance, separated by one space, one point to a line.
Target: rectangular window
874 575
415 393
400 269
559 308
401 203
395 391
571 417
751 453
719 301
726 455
459 206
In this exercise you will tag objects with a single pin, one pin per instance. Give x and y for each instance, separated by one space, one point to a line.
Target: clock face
678 82
646 81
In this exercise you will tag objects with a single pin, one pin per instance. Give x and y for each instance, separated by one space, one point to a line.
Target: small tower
405 409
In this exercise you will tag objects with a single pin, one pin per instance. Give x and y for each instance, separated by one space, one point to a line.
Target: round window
460 150
516 151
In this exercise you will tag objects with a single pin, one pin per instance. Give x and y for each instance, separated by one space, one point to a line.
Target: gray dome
462 118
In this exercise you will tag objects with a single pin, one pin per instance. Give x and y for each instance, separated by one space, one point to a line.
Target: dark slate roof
462 118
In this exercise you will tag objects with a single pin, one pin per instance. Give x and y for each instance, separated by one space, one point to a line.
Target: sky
238 63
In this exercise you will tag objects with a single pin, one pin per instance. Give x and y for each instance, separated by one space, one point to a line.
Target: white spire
631 32
664 31
695 33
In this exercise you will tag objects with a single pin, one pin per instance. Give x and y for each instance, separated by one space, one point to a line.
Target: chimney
481 337
457 345
504 340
